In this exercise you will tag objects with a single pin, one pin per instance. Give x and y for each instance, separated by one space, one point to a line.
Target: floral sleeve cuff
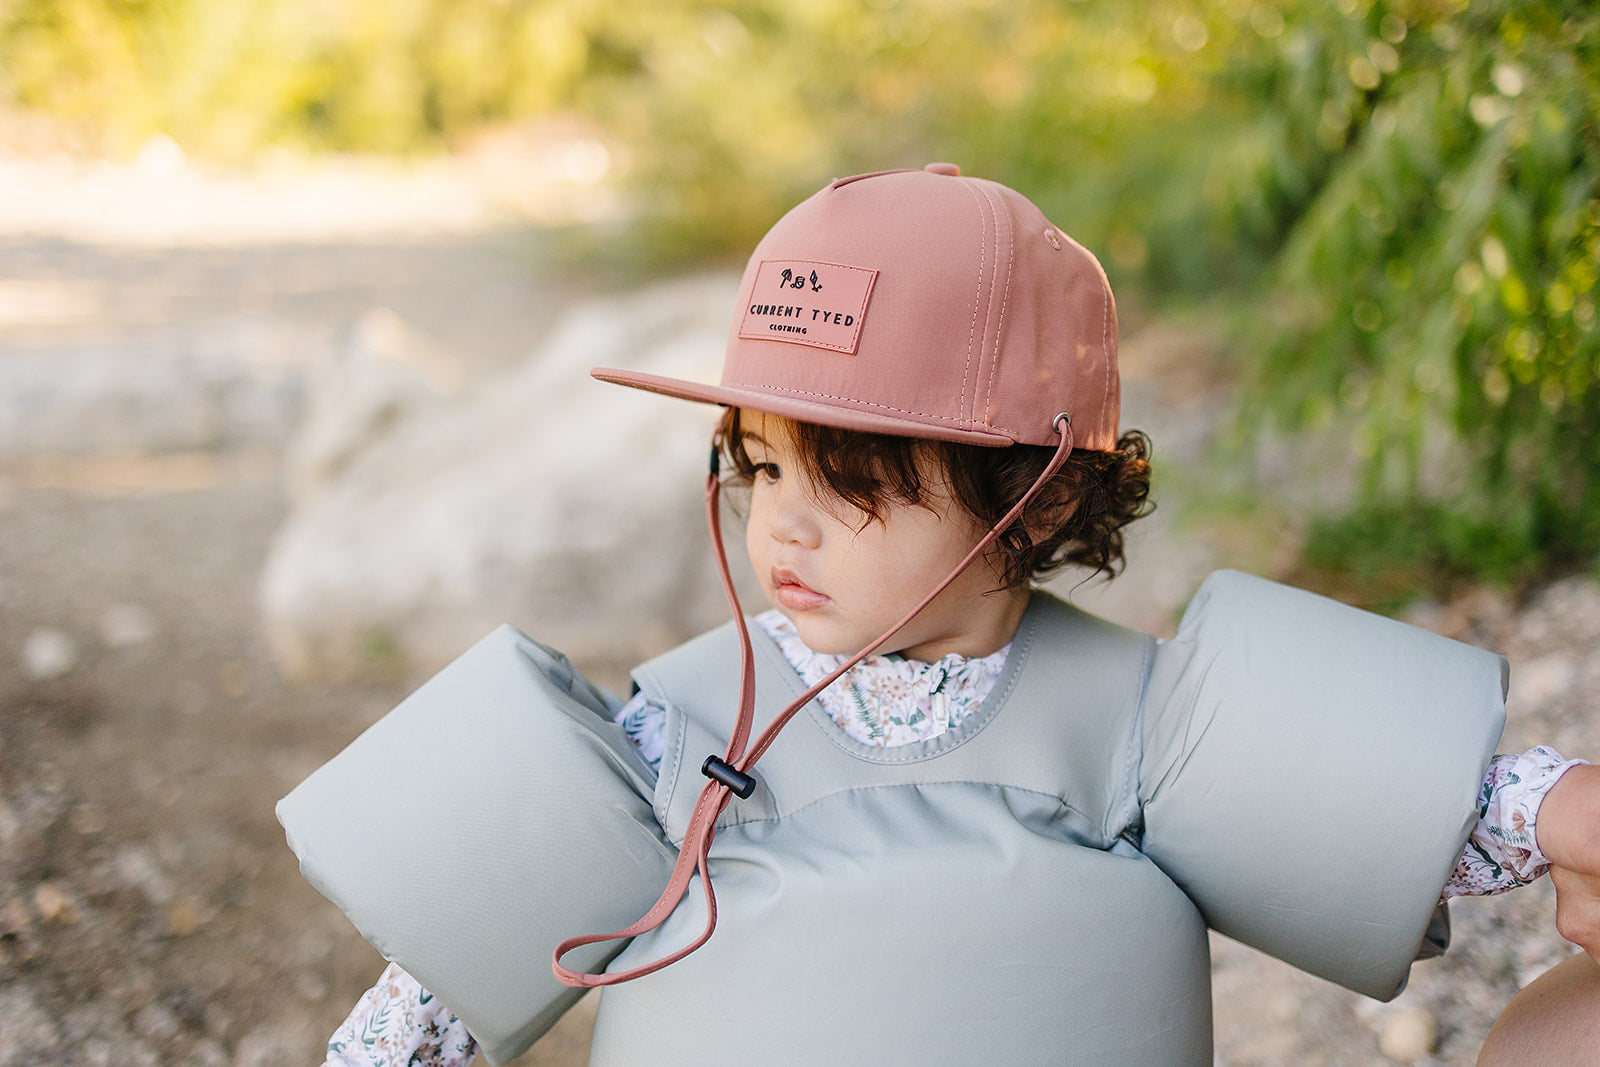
400 1024
1503 851
645 723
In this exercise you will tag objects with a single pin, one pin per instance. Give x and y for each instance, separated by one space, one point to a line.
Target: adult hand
1568 831
1578 908
1556 1017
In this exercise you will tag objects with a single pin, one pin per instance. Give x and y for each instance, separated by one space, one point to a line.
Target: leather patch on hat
808 303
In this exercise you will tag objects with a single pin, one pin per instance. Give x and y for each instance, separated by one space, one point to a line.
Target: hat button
948 169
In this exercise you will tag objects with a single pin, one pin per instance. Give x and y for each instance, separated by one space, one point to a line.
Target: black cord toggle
739 783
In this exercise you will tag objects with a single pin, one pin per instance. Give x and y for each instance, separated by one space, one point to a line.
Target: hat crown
921 303
948 305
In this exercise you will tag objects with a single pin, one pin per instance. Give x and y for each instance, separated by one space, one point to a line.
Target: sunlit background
297 300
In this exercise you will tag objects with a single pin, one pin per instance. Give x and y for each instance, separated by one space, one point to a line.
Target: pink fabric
982 322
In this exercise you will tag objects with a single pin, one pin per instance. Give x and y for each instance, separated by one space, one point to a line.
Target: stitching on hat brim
803 410
788 404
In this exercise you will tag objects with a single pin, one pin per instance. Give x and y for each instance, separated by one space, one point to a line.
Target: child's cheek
756 545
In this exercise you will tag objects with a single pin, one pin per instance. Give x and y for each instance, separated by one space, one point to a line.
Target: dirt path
149 911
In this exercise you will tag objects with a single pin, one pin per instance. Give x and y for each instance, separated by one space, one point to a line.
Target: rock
1572 605
50 777
136 1054
136 868
274 1045
1537 682
385 373
54 904
184 917
26 1032
209 1053
98 1052
157 1022
48 654
1409 1035
10 825
568 507
235 384
234 678
126 625
14 918
87 819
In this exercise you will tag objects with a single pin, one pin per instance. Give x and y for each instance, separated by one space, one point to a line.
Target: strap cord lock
739 783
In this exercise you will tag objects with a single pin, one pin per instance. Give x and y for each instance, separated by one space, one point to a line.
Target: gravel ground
149 911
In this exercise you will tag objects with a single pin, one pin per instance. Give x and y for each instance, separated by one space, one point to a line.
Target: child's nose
794 518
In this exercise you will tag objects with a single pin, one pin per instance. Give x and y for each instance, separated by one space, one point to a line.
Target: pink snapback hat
925 304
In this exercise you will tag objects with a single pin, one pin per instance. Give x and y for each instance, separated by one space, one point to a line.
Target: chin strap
730 773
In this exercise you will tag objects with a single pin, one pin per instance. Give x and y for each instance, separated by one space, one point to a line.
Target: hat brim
845 418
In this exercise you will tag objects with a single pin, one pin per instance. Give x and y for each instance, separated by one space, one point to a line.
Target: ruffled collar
890 700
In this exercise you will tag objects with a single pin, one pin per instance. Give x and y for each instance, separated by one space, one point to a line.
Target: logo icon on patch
792 280
808 303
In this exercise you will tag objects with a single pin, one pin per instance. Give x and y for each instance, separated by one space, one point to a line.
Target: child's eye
768 471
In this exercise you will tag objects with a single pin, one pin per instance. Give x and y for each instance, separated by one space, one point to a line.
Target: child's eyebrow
751 435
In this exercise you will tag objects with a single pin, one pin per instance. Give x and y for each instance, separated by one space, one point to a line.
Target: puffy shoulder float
1034 885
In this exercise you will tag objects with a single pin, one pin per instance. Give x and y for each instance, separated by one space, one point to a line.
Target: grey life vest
957 900
1033 885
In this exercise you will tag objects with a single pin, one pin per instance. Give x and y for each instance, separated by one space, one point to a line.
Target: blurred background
298 298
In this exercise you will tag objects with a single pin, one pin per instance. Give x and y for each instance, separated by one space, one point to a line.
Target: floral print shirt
1501 853
883 700
400 1024
887 701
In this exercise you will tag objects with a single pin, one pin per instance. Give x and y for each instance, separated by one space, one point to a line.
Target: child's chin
825 639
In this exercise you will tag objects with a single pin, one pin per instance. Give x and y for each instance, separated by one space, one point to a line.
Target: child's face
843 579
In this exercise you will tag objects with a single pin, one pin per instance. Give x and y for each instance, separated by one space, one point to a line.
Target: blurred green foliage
1402 197
227 77
1436 294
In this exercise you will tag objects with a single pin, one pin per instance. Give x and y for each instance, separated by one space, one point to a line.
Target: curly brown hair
1077 518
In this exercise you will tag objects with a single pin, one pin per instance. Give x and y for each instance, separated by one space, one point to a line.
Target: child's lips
794 594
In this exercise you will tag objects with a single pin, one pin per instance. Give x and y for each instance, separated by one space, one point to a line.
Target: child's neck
987 633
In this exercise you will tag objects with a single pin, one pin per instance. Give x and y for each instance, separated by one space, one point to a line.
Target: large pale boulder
232 384
567 507
385 373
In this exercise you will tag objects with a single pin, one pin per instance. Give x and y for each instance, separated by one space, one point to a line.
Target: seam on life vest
1041 793
666 786
1191 737
761 645
668 847
1025 640
1129 796
978 725
662 802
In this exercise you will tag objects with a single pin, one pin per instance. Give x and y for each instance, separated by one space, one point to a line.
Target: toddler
920 412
